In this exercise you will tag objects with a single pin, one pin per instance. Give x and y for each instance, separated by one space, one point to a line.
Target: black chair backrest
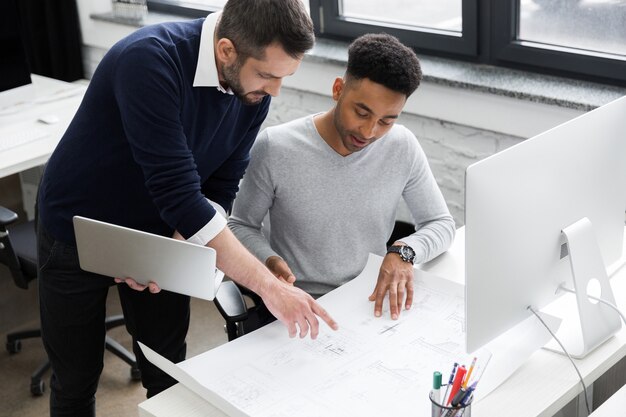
18 248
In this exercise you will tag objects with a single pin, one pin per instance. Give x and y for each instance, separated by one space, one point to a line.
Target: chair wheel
38 387
14 346
135 373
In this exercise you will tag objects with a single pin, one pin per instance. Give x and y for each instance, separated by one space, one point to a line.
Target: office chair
18 251
230 299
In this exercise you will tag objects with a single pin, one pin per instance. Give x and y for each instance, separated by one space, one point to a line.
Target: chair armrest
230 302
6 216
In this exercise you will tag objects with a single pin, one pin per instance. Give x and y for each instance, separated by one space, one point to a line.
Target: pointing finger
323 314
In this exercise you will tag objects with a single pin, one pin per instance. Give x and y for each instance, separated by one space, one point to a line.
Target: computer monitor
519 202
15 81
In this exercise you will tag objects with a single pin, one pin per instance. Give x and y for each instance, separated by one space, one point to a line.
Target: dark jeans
73 304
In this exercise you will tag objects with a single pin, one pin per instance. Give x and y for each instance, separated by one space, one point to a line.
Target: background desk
541 387
52 97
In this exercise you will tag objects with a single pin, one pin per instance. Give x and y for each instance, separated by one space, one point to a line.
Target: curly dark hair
252 25
383 59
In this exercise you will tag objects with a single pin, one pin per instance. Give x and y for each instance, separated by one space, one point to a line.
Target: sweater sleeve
254 200
435 227
146 85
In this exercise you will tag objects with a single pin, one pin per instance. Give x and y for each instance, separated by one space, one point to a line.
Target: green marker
437 386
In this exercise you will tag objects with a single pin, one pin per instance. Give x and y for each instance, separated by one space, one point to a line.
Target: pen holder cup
440 410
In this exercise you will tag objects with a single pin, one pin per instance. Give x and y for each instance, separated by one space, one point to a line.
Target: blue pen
445 395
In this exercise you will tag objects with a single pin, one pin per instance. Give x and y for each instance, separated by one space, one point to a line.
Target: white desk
540 388
52 97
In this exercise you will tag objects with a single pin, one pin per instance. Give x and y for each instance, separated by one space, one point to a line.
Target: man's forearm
239 264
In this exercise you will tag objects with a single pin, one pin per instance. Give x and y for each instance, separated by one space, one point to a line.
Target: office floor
117 394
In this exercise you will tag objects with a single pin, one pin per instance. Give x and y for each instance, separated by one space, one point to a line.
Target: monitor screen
517 203
14 69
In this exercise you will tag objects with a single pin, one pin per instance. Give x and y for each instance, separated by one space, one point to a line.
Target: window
446 26
581 38
444 15
578 38
592 25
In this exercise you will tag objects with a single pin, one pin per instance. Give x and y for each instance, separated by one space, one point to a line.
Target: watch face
407 253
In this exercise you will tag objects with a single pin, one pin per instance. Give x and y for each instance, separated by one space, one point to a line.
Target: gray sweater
328 212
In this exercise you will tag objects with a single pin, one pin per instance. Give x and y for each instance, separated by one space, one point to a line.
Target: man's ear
225 51
338 87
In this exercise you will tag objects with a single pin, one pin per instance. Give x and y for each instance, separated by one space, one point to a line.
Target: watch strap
402 251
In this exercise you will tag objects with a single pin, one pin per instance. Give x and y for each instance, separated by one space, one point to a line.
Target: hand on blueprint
280 269
152 286
295 308
289 304
396 278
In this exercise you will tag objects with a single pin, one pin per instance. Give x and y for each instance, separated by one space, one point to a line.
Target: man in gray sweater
332 183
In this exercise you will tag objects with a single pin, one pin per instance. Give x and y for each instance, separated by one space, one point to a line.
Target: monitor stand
596 322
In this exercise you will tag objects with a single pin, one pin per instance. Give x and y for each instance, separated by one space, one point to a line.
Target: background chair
18 251
230 299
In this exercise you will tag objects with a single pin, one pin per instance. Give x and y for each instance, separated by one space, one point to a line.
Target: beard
232 78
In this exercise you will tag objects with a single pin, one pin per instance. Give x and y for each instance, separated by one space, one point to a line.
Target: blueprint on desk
369 367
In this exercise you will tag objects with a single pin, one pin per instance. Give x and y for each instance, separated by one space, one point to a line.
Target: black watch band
407 254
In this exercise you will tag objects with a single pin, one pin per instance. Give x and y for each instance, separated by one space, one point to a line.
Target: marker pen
458 397
436 387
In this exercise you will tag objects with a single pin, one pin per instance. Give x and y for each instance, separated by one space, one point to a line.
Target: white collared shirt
206 71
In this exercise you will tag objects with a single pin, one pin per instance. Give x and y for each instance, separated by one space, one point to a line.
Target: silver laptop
120 252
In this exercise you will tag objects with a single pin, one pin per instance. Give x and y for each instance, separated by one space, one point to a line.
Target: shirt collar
206 71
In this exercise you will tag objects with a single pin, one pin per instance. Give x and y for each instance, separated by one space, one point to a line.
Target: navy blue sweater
145 146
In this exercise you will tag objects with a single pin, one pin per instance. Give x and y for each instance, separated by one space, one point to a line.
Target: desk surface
545 383
53 97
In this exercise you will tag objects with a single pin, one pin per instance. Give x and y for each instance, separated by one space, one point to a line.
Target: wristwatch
407 254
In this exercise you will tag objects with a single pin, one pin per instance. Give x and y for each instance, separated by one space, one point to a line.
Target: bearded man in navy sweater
159 144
